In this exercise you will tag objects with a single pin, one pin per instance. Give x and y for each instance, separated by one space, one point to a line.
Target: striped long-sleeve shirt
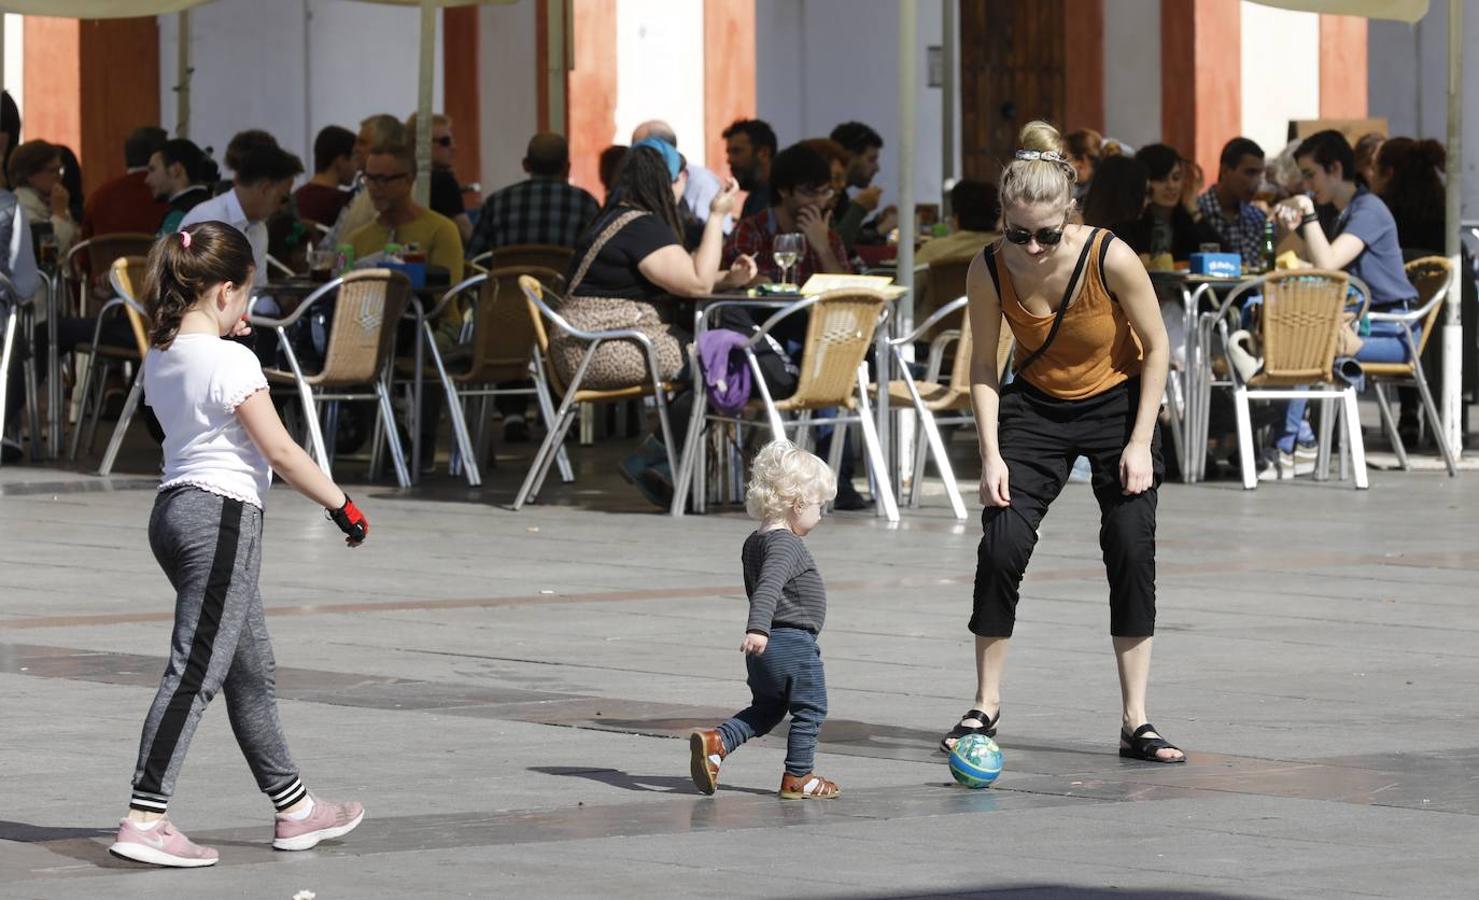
783 583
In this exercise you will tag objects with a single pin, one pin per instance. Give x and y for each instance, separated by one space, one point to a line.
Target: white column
426 82
1453 344
904 307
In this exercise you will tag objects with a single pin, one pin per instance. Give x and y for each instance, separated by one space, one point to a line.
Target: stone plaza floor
509 695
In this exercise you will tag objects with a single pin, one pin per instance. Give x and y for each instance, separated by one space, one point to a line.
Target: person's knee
1006 544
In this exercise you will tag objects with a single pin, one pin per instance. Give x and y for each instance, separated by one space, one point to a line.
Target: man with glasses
800 188
446 190
390 174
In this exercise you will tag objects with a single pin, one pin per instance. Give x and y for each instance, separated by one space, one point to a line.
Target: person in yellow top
390 173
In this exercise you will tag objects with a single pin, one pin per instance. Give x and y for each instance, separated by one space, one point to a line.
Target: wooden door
1012 70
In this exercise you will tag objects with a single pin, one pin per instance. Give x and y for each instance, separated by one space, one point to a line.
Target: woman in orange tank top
1091 363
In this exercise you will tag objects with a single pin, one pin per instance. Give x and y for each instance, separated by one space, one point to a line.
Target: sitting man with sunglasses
446 190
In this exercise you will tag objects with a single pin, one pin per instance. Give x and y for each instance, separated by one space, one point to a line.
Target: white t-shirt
227 208
195 386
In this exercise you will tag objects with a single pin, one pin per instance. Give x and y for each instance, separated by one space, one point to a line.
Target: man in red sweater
126 203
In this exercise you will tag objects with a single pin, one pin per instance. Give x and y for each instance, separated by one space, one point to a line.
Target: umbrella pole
426 82
1453 348
182 75
903 318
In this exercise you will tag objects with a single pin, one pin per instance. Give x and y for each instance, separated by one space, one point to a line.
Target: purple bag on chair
726 371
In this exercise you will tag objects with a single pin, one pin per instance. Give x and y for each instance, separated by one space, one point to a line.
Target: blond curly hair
783 477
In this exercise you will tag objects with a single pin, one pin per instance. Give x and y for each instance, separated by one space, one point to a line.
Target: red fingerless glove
350 520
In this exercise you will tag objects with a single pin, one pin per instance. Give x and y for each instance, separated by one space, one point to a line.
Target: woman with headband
1091 365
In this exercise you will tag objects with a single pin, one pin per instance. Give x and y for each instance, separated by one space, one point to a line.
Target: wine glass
786 250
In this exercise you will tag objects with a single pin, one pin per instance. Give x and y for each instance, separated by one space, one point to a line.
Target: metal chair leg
1245 438
547 412
1353 438
1322 455
100 394
79 394
454 411
397 453
942 462
1435 423
7 347
130 406
33 393
534 479
1389 424
683 480
884 493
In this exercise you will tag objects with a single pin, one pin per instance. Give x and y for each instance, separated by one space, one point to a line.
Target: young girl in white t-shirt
223 440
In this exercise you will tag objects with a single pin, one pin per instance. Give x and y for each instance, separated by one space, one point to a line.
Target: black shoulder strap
1068 292
1103 255
990 256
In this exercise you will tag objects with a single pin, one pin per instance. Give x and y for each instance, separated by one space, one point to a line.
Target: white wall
15 62
660 70
1132 71
291 67
823 62
508 60
1281 73
1408 82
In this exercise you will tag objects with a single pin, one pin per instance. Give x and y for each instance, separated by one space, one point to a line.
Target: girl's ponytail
185 265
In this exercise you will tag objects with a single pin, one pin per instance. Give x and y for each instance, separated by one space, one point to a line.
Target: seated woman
1365 245
629 269
1407 176
1169 224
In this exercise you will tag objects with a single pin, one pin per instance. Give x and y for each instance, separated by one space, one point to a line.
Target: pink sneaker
162 845
328 820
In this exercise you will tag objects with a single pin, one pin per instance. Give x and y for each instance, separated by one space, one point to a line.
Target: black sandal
961 729
1145 748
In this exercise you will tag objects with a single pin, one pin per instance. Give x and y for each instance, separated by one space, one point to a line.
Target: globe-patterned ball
975 761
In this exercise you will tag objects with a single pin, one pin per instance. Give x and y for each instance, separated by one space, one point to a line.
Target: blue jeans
787 677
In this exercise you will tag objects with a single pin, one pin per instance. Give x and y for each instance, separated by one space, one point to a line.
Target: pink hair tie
185 239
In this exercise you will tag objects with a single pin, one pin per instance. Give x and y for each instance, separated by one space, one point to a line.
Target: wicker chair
1302 314
1433 278
531 256
368 304
573 394
834 375
931 398
500 340
126 277
127 280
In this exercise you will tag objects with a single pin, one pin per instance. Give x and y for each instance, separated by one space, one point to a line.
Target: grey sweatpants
210 548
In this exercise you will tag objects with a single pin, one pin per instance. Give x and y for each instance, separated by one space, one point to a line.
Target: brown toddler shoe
807 787
706 750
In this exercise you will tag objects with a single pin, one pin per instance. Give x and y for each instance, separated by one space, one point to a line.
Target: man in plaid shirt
1227 207
545 209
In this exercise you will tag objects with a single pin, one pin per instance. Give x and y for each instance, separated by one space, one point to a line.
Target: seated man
446 190
865 145
800 189
263 179
322 197
749 148
974 211
702 186
390 174
545 208
180 174
1227 210
125 204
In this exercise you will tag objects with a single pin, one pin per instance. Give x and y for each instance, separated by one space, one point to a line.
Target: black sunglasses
1048 237
443 141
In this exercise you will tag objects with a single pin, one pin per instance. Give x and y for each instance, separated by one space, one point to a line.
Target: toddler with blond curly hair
788 487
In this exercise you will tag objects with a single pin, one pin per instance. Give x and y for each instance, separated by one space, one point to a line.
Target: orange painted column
1201 84
53 79
460 92
729 72
88 84
1083 65
1343 62
591 98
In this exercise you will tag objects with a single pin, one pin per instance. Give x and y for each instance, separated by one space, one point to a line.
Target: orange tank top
1095 349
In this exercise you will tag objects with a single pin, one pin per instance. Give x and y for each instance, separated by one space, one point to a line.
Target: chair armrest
328 288
453 292
948 309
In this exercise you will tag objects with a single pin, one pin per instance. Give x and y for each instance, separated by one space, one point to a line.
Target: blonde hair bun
1040 136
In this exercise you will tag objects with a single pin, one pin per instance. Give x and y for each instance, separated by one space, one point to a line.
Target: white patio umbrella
1411 11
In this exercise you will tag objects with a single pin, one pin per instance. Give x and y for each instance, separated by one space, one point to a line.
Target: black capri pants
1040 437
